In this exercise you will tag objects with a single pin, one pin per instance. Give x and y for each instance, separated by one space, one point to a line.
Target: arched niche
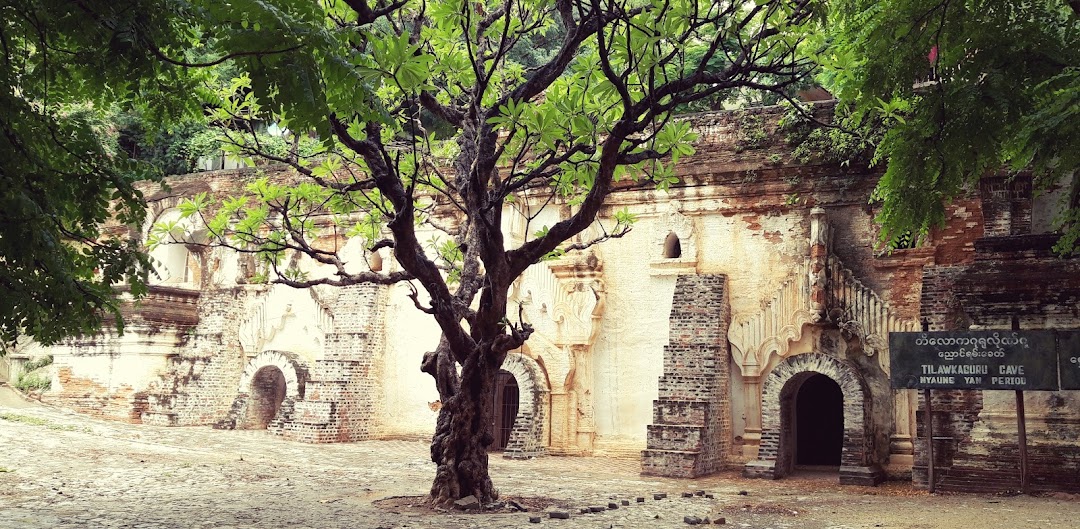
672 246
526 438
259 373
173 263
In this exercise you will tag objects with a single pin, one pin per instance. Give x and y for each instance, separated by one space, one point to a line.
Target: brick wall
202 377
341 399
691 431
975 447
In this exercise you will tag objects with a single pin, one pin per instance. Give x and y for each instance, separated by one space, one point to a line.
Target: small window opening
375 262
672 246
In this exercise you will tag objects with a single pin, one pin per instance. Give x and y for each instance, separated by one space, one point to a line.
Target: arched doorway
819 422
504 410
267 393
778 452
527 429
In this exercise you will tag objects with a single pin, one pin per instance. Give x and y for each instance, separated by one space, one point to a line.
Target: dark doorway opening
819 422
267 394
504 410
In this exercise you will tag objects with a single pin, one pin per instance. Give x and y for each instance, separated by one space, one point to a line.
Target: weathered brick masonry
691 431
1012 275
778 278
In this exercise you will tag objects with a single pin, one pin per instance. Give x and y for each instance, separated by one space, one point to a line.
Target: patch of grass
6 469
35 421
30 382
67 428
34 377
25 419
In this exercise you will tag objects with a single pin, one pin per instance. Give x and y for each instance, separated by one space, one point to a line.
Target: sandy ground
9 398
58 469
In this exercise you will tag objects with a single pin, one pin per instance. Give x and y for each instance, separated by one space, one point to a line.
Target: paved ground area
60 470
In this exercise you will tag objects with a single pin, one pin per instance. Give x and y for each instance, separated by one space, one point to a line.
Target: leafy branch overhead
961 89
538 133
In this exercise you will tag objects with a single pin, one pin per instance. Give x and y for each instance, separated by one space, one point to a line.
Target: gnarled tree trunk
463 431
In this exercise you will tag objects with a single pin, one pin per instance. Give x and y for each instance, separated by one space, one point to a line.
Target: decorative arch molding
292 368
306 315
527 436
776 453
781 322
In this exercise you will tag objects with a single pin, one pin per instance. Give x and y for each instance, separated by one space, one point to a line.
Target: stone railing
857 309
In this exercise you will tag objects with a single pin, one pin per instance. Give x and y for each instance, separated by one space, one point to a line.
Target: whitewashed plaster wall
758 253
409 394
629 349
115 363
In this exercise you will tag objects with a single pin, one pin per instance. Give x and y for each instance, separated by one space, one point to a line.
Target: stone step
687 387
672 463
687 438
681 412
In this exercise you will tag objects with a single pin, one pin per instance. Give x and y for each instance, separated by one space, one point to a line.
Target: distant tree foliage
96 95
63 66
962 89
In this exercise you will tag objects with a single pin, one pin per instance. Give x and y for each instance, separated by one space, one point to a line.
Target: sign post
1069 359
1021 430
1016 360
929 441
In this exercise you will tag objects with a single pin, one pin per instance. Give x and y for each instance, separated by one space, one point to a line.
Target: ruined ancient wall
108 374
200 380
1009 277
744 209
803 278
341 400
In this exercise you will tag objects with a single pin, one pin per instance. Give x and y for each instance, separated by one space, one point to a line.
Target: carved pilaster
819 257
564 300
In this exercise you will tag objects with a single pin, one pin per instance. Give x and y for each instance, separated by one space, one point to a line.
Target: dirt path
62 470
9 398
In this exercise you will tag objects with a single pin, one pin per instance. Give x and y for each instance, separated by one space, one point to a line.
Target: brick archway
292 369
777 450
527 436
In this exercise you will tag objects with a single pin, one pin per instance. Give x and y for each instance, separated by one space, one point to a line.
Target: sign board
1024 360
1069 359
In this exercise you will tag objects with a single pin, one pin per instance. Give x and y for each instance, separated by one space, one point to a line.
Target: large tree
530 103
961 89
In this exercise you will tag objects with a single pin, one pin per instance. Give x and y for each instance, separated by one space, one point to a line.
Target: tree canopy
475 108
961 89
63 67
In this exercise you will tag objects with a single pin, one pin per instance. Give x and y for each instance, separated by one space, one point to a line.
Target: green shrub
31 382
34 365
